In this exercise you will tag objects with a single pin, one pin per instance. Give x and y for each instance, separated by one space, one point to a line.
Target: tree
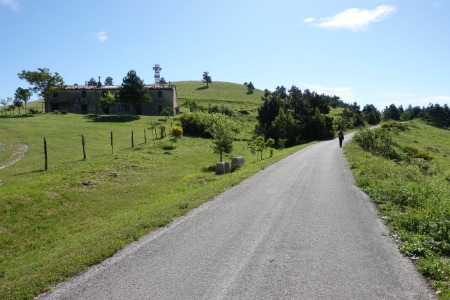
437 115
43 82
206 78
267 112
391 113
22 95
371 114
4 103
284 128
166 113
250 88
133 91
258 144
107 100
109 81
162 81
410 113
222 129
92 82
18 104
12 108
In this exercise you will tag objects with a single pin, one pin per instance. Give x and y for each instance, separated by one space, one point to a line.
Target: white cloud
438 99
309 20
12 4
345 93
357 19
101 36
437 4
406 99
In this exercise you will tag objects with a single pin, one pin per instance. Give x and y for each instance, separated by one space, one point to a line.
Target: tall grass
412 188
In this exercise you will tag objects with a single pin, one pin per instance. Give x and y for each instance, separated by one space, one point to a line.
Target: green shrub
423 155
435 268
195 123
33 111
377 141
222 109
176 131
199 123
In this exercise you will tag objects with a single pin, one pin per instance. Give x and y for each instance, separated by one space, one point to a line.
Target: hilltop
230 93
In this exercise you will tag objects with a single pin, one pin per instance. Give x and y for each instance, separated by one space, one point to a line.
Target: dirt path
17 155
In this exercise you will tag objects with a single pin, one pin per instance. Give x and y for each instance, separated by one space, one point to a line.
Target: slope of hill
224 92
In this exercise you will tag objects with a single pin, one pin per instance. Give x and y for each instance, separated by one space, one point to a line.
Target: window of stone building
159 93
84 109
83 93
159 108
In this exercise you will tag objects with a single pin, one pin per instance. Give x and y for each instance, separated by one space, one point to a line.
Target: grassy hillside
56 223
232 94
413 196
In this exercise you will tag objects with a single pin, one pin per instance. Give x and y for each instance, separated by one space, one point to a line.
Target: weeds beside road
405 170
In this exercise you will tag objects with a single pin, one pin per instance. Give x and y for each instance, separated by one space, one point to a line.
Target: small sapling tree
223 130
162 130
107 100
166 113
258 145
18 104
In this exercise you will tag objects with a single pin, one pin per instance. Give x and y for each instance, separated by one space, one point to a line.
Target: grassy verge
412 189
57 223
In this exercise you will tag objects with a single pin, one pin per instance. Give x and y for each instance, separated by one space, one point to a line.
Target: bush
199 123
33 111
176 131
377 141
222 109
195 123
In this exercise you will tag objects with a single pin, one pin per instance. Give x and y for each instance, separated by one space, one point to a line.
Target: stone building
83 99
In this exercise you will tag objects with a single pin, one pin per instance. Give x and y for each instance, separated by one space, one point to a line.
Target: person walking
341 137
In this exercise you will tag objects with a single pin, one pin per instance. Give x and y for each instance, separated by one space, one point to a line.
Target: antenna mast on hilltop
157 68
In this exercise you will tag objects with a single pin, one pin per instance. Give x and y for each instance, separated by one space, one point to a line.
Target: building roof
118 87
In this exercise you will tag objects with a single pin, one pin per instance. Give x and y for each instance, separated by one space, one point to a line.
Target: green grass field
413 197
54 224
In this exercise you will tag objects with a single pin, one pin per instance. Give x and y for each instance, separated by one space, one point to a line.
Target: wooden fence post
132 139
45 155
112 144
83 144
145 136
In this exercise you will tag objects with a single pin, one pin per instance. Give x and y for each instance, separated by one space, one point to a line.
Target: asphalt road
299 229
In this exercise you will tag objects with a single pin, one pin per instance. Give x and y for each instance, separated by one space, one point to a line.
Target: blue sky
368 51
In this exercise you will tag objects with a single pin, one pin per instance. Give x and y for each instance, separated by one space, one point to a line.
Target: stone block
223 168
236 163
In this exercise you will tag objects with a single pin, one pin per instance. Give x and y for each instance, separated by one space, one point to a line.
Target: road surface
299 229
